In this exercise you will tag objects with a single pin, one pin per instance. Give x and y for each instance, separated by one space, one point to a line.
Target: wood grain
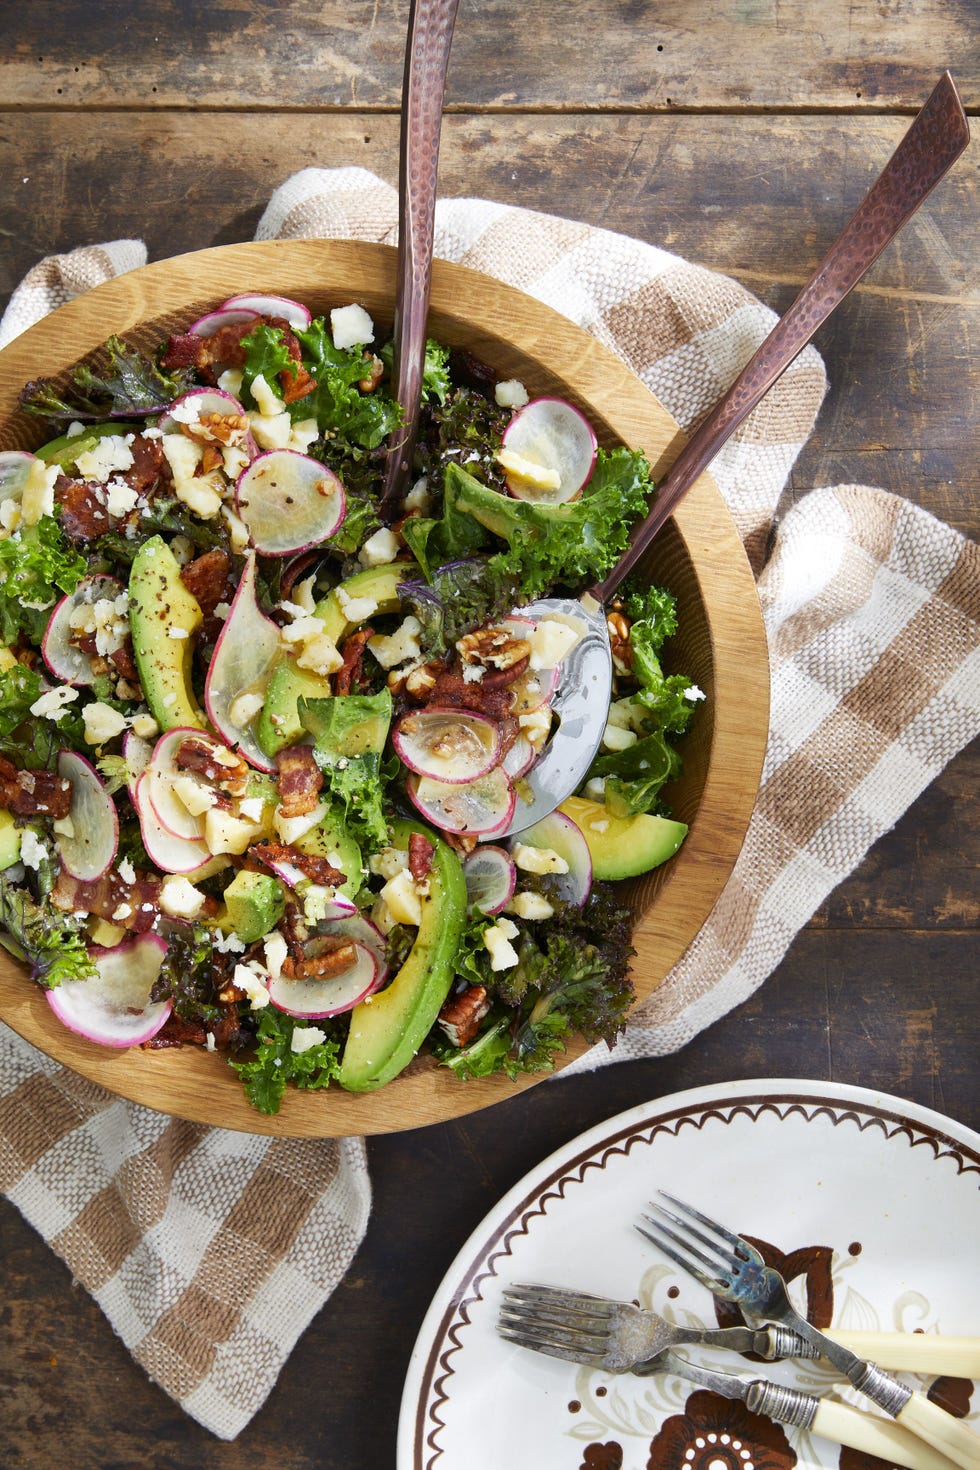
721 641
728 54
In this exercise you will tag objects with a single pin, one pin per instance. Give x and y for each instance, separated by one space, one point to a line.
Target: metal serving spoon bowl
936 138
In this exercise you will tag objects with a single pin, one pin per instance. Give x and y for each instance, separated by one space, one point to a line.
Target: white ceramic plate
878 1201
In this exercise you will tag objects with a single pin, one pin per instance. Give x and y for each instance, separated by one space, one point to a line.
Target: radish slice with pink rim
90 849
65 660
289 502
480 807
450 745
113 1007
15 471
519 758
136 753
360 928
169 853
163 770
551 435
244 655
188 408
313 999
532 689
206 326
336 907
293 312
490 878
558 833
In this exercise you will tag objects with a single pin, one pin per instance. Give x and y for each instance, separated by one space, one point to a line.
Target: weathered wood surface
769 152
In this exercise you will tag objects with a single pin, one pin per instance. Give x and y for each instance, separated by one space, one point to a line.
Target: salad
260 751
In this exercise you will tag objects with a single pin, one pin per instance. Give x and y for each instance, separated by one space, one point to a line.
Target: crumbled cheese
178 633
243 708
614 737
538 859
356 609
10 515
120 498
228 943
247 980
108 456
179 897
238 532
251 808
271 430
530 906
183 549
74 429
193 794
102 722
288 829
536 725
122 911
599 824
510 394
389 862
183 455
402 645
320 655
402 898
693 693
145 726
473 673
276 951
110 624
32 850
50 704
316 899
37 497
626 714
496 939
267 400
350 326
551 640
221 610
304 1037
225 832
379 549
200 496
303 595
302 434
537 476
104 934
595 788
230 381
418 497
234 458
126 870
209 1042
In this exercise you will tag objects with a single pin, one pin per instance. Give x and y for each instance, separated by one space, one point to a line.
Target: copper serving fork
603 1334
734 1271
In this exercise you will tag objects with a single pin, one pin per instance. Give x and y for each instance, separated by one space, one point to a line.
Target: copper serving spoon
936 138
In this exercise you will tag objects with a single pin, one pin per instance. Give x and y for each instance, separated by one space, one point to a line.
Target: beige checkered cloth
210 1251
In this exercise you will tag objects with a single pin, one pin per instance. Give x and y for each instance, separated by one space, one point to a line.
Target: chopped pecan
298 780
122 658
349 675
372 377
325 955
33 793
618 625
420 855
493 647
461 1014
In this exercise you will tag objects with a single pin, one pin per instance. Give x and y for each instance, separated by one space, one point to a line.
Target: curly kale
54 945
460 597
264 1074
30 741
35 566
122 382
187 974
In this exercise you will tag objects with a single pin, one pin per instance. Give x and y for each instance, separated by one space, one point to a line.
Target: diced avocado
9 840
278 724
161 607
330 839
255 903
623 847
387 1029
64 450
343 729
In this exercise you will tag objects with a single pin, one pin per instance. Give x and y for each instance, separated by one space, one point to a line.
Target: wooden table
739 133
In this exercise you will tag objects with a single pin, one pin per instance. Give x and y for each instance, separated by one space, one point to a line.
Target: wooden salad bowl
721 641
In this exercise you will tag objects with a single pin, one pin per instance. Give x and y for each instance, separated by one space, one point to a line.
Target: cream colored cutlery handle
951 1436
915 1352
876 1436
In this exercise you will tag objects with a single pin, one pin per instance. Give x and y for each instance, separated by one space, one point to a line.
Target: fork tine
526 1339
555 1297
735 1241
552 1328
679 1249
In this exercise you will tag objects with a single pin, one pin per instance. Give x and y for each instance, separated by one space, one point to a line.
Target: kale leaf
461 596
264 1074
53 944
30 741
35 565
122 382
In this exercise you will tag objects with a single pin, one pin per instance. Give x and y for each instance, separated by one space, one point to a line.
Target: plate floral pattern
870 1206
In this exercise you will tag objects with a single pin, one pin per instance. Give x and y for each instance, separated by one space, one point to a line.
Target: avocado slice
255 903
66 448
330 839
9 839
623 847
158 602
387 1029
278 723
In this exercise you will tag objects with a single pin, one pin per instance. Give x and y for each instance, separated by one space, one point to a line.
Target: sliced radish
169 853
15 471
449 745
163 772
89 850
337 907
65 660
247 648
206 326
293 312
558 833
485 805
519 758
113 1007
532 689
313 999
136 753
191 407
359 928
550 435
490 879
289 501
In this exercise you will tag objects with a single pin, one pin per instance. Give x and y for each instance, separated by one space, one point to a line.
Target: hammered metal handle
931 146
430 34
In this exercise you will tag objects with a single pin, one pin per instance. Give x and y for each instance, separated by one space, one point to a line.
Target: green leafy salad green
261 750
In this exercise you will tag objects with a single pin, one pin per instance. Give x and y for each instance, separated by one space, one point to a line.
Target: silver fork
734 1271
603 1334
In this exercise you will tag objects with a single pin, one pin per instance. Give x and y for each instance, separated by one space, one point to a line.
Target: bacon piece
83 515
461 1014
185 349
454 691
33 793
150 466
348 676
206 578
317 869
420 855
294 386
122 657
220 765
134 906
298 779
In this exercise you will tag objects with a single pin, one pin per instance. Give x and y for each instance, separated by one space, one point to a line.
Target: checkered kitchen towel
872 611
